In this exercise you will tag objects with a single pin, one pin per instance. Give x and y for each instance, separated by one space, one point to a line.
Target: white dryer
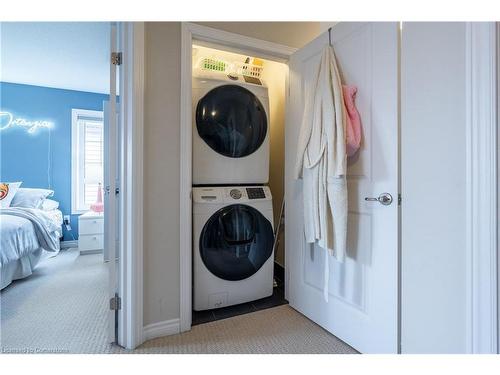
230 130
232 245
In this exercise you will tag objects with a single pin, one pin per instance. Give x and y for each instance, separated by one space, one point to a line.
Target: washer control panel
246 193
255 193
231 194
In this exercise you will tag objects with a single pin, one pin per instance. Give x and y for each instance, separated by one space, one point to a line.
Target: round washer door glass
235 242
231 120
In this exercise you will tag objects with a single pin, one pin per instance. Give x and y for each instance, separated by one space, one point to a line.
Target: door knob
384 198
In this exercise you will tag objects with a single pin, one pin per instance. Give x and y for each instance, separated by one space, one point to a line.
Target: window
87 136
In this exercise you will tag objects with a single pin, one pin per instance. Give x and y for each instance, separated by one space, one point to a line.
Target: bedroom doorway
61 285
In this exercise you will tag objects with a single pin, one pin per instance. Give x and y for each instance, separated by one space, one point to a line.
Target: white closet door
363 292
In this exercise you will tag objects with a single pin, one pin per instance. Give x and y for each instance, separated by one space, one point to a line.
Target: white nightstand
91 233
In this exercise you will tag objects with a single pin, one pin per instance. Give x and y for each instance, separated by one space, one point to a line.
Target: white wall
161 171
433 188
161 152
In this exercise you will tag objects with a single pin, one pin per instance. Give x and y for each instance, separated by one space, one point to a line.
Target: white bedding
24 231
57 217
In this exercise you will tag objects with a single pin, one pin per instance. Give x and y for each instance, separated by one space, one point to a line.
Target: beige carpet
278 330
62 308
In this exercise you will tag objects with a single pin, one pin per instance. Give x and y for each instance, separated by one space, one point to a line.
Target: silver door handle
384 198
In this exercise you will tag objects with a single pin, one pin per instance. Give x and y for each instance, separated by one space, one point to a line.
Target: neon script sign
7 121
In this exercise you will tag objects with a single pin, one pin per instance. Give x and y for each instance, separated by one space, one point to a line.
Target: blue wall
28 157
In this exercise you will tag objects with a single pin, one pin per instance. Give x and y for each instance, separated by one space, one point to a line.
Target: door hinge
116 58
399 199
115 303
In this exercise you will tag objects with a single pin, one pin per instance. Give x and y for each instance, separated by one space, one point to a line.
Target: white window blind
93 159
87 158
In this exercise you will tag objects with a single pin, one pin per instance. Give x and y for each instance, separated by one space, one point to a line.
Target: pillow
7 192
30 198
49 205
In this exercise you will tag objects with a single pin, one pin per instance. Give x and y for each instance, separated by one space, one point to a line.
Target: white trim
68 244
481 188
165 328
76 157
236 43
111 200
132 122
498 181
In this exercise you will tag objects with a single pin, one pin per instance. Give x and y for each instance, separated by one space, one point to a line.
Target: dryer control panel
232 194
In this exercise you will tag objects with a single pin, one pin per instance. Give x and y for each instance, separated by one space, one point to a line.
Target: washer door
235 242
231 120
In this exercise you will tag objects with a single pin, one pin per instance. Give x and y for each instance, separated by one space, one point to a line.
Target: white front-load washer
230 130
232 245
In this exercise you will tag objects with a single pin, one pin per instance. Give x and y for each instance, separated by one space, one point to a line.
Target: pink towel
353 131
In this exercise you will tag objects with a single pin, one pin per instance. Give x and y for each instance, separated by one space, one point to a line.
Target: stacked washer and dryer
233 258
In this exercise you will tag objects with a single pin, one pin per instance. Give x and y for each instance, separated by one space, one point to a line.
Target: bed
26 236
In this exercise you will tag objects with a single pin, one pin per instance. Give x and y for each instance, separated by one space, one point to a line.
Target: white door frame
498 180
111 175
131 36
481 187
481 169
236 43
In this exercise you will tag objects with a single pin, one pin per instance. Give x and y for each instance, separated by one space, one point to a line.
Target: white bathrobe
322 162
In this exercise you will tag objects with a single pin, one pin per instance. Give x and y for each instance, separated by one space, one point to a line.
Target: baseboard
89 252
165 328
68 244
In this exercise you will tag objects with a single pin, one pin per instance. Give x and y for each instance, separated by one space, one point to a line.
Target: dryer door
235 242
231 120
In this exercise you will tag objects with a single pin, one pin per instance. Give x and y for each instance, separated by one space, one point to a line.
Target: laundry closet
239 115
237 191
238 182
